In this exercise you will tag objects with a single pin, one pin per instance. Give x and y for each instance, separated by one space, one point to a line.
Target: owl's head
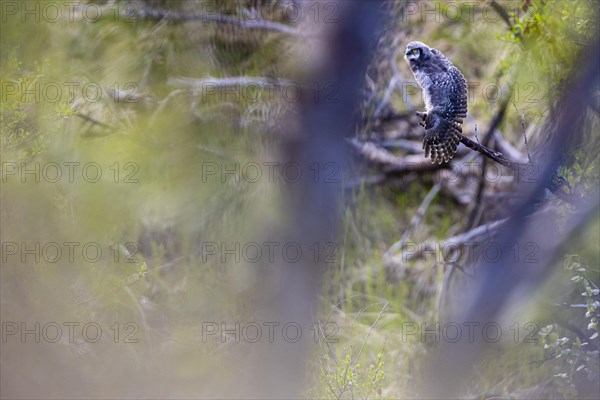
417 52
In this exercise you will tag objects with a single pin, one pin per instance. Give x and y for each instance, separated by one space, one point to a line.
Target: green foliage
588 289
551 35
21 139
350 380
571 357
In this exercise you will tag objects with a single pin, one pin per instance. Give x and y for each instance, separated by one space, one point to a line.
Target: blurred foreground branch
309 207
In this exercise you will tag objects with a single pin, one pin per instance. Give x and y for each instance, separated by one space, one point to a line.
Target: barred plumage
445 94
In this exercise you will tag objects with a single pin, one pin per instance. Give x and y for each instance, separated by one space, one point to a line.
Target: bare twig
406 145
525 136
475 211
523 130
370 329
92 120
386 97
502 12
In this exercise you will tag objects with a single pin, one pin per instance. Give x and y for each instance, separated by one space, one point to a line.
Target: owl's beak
409 56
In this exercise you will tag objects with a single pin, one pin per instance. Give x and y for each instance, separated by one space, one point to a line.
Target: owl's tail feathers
441 141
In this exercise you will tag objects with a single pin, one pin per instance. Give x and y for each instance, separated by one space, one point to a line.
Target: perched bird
445 94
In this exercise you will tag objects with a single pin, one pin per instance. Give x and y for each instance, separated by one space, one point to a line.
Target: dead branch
496 156
392 164
481 232
208 81
258 24
502 12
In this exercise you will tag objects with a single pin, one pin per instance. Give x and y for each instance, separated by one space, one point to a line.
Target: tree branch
195 83
502 12
496 156
259 24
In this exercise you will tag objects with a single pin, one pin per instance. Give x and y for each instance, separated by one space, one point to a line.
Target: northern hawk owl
445 94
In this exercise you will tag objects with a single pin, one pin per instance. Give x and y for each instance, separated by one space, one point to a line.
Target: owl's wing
457 106
443 125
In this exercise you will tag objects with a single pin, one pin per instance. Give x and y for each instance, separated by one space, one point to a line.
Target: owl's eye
413 52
